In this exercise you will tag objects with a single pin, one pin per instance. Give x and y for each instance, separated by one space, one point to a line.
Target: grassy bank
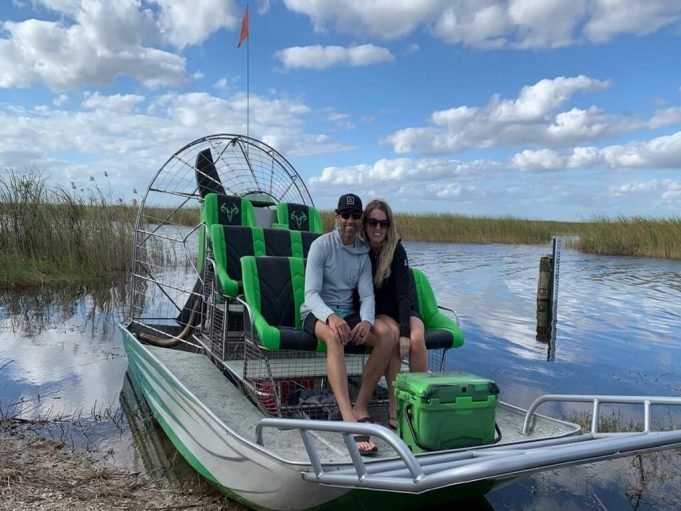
633 236
54 234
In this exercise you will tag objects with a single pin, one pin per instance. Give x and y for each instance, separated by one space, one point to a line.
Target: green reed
631 236
447 228
56 234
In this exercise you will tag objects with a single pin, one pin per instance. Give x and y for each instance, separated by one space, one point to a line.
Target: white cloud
541 159
667 190
60 100
322 57
116 102
609 18
531 118
672 191
486 26
393 172
663 152
66 57
665 116
549 23
628 188
409 184
342 121
192 22
130 136
95 41
493 23
381 18
222 83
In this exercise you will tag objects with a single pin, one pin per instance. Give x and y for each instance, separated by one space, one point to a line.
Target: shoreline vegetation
52 235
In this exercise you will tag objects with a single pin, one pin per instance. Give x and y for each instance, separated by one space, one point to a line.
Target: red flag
244 28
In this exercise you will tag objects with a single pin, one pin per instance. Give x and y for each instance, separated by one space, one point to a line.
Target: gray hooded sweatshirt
332 273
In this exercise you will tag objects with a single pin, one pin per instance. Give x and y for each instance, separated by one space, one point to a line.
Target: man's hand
405 345
340 328
360 332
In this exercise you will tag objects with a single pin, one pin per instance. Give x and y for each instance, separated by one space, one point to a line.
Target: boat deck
203 379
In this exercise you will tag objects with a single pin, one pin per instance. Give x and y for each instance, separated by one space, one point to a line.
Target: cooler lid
446 386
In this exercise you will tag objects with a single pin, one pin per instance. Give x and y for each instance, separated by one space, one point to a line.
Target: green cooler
439 411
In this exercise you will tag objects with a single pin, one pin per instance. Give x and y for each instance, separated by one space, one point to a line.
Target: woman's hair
387 251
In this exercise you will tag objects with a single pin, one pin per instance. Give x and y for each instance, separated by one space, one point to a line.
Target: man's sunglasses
356 215
373 222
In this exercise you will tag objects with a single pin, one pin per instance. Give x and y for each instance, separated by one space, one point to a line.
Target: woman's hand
360 332
405 345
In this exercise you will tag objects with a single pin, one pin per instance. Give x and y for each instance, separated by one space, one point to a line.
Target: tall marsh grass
446 228
628 236
53 234
631 236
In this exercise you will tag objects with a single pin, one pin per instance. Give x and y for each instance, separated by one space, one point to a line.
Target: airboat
214 345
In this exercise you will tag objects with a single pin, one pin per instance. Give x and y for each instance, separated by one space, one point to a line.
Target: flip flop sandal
392 423
368 418
365 438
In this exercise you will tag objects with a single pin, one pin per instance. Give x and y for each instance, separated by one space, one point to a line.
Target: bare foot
365 445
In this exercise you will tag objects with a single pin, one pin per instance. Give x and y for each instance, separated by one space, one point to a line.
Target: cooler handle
408 413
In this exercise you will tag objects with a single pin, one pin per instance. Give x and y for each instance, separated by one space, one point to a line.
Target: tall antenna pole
243 36
248 77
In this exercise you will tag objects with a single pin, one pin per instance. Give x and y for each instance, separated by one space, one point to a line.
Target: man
337 265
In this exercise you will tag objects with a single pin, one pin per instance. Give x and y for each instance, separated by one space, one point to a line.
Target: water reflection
617 333
153 453
61 351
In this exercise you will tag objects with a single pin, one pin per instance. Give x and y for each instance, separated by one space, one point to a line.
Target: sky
552 109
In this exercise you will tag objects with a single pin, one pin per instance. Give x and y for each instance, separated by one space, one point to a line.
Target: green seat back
274 288
287 243
227 210
441 330
299 217
230 244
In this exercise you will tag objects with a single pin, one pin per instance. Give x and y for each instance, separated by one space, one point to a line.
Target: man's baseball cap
349 202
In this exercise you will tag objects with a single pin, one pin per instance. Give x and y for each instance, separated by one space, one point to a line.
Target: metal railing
646 401
408 473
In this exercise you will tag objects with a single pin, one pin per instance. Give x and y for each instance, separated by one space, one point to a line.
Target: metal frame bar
416 474
646 401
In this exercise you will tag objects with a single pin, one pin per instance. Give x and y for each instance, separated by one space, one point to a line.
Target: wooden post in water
544 298
547 296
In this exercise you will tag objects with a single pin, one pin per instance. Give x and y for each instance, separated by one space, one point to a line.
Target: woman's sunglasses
347 214
374 222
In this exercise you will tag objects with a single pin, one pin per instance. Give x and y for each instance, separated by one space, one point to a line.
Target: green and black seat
227 210
298 217
287 243
232 242
219 209
274 288
442 332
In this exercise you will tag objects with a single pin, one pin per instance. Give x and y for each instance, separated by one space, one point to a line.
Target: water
61 358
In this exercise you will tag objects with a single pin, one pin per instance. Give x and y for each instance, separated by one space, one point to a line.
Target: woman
396 316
